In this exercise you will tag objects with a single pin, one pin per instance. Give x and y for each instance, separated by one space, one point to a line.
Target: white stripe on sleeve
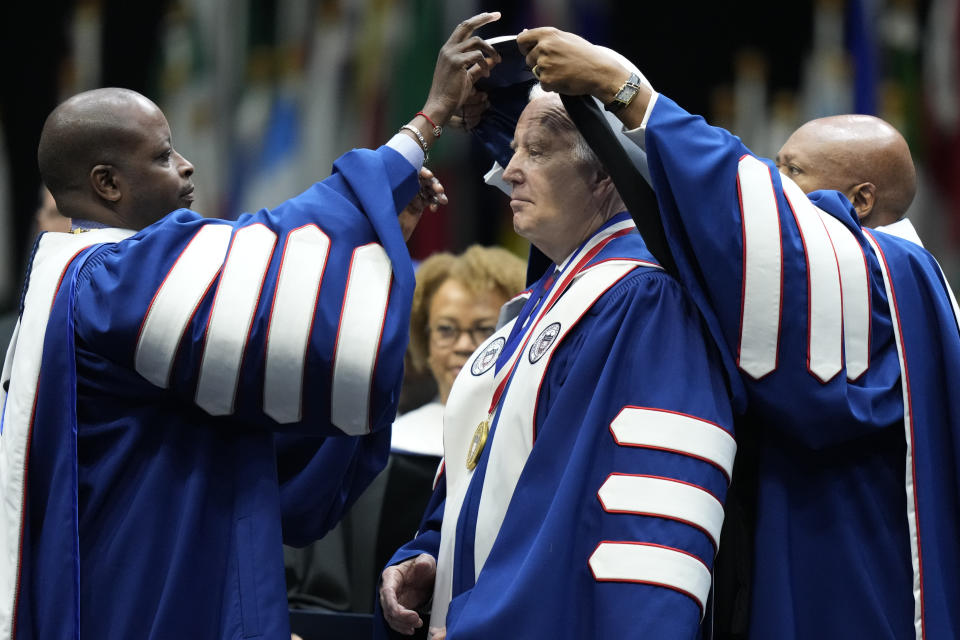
677 433
358 341
664 498
291 321
762 267
855 289
652 564
824 304
233 308
176 301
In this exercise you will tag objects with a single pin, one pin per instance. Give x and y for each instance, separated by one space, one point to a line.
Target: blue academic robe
198 384
844 350
637 353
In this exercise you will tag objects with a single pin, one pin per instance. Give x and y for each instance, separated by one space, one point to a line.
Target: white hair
581 149
637 154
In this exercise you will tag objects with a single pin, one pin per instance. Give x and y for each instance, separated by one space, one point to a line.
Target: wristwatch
625 95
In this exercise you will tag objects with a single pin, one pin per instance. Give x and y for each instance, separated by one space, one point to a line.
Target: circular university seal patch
542 344
487 358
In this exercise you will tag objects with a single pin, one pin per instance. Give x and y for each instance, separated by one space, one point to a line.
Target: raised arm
293 318
789 285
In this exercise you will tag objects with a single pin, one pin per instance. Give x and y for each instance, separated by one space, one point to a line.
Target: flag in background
344 73
268 170
942 82
410 69
862 26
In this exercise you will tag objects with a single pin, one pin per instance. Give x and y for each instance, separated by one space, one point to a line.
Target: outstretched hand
431 194
463 59
403 588
566 63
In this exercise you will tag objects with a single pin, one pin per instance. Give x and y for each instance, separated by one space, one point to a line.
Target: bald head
90 128
863 157
102 156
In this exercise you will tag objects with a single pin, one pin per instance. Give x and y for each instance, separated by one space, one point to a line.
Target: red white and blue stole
918 422
18 395
507 395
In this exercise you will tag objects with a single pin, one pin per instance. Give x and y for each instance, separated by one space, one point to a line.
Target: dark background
262 95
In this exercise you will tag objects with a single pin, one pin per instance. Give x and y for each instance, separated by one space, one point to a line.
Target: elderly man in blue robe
587 443
841 336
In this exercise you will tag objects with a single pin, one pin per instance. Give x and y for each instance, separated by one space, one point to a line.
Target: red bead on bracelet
437 130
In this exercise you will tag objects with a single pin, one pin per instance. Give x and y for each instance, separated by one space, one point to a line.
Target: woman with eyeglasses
455 307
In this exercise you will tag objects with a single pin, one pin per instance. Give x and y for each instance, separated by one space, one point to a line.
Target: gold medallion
477 443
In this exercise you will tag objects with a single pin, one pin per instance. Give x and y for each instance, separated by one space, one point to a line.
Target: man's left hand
403 587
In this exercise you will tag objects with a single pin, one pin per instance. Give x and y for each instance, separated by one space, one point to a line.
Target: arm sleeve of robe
292 318
788 282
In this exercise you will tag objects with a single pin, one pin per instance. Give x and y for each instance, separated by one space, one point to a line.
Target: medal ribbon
552 297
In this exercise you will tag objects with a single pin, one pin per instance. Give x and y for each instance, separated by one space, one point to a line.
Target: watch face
627 93
625 96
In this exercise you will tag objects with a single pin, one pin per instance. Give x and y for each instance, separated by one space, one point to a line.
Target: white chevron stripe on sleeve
176 301
358 341
291 321
762 269
652 564
664 498
234 305
855 288
824 304
677 433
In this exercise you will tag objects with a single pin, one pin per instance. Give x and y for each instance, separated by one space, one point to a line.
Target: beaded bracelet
416 132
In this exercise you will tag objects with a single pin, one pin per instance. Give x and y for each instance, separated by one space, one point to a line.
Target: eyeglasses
445 335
